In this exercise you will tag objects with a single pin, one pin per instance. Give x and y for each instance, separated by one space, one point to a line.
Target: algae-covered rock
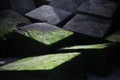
95 57
46 67
45 33
115 37
44 62
9 21
92 47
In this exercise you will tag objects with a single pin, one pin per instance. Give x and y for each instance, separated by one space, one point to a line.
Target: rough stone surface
104 8
45 33
88 25
68 5
48 14
22 6
9 20
45 62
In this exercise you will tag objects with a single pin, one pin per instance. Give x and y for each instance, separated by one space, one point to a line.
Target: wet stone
48 14
22 6
103 8
71 6
9 21
45 33
88 25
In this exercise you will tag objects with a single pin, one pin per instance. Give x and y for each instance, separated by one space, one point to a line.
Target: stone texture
53 66
46 62
95 57
104 8
48 14
9 21
68 5
45 33
88 25
115 37
22 6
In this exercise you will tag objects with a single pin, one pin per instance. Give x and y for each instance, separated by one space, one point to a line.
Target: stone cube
22 6
45 33
48 14
88 25
103 8
9 21
38 39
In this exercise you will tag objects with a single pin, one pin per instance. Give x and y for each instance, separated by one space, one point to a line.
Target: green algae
93 46
44 62
48 37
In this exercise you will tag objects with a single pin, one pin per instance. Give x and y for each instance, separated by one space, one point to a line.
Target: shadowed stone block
48 67
103 8
9 20
88 25
22 6
115 37
42 2
95 57
48 14
38 39
45 33
68 5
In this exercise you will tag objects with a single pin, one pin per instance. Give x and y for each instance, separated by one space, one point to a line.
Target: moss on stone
45 62
4 31
114 37
48 37
9 21
93 46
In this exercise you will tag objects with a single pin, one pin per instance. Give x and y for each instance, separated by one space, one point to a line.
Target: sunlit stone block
44 62
48 67
38 38
45 33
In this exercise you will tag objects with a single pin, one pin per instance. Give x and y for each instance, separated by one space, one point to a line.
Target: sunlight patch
95 46
45 62
48 37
